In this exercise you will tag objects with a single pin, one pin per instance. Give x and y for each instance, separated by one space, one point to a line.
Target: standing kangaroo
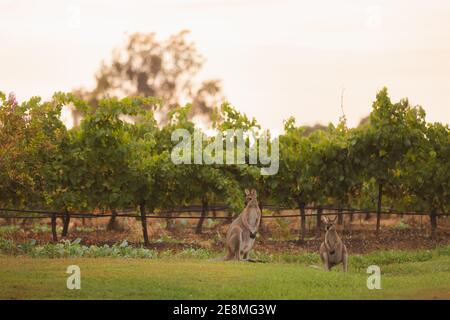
333 251
242 232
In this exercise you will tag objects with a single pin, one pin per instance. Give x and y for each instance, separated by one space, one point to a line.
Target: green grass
176 278
38 271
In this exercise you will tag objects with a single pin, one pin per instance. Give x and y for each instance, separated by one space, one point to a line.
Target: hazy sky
276 58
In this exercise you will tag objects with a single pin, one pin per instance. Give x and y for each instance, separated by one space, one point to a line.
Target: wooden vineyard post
199 227
319 219
66 222
340 216
380 197
302 220
54 234
112 224
144 224
433 222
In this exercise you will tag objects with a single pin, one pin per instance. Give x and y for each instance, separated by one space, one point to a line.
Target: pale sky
276 58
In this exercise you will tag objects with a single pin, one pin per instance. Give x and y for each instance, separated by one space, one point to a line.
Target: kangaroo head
251 197
329 224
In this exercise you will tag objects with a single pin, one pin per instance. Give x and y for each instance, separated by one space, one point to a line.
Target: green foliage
426 174
29 139
8 229
68 249
298 179
402 225
192 253
230 118
377 149
119 157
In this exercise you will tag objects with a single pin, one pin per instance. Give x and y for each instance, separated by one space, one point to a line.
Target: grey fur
333 251
242 232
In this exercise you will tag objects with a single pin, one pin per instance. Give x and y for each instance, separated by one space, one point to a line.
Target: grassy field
171 278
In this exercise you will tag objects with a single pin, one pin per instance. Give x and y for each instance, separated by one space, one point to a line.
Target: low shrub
68 249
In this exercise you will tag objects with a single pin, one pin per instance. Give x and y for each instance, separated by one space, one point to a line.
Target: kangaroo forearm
253 228
329 248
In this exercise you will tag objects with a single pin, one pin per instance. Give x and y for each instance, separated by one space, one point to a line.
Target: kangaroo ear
247 192
253 192
334 219
325 219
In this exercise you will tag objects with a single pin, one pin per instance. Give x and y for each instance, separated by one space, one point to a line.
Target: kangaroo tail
314 266
231 252
229 256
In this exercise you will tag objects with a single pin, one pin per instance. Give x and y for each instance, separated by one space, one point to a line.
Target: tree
14 184
248 175
425 171
165 69
337 173
381 145
156 181
298 177
29 139
208 182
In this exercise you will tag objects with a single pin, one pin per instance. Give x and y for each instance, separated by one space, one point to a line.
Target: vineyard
240 152
114 172
109 188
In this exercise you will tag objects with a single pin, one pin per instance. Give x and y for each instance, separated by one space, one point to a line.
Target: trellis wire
165 214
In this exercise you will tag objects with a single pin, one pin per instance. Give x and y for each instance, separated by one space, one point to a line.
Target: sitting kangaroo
333 251
242 232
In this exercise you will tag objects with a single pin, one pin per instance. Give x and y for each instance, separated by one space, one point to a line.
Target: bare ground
277 235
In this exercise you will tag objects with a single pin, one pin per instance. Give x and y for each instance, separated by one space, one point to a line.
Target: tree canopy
166 69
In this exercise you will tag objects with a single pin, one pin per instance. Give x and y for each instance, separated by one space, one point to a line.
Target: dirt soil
276 235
